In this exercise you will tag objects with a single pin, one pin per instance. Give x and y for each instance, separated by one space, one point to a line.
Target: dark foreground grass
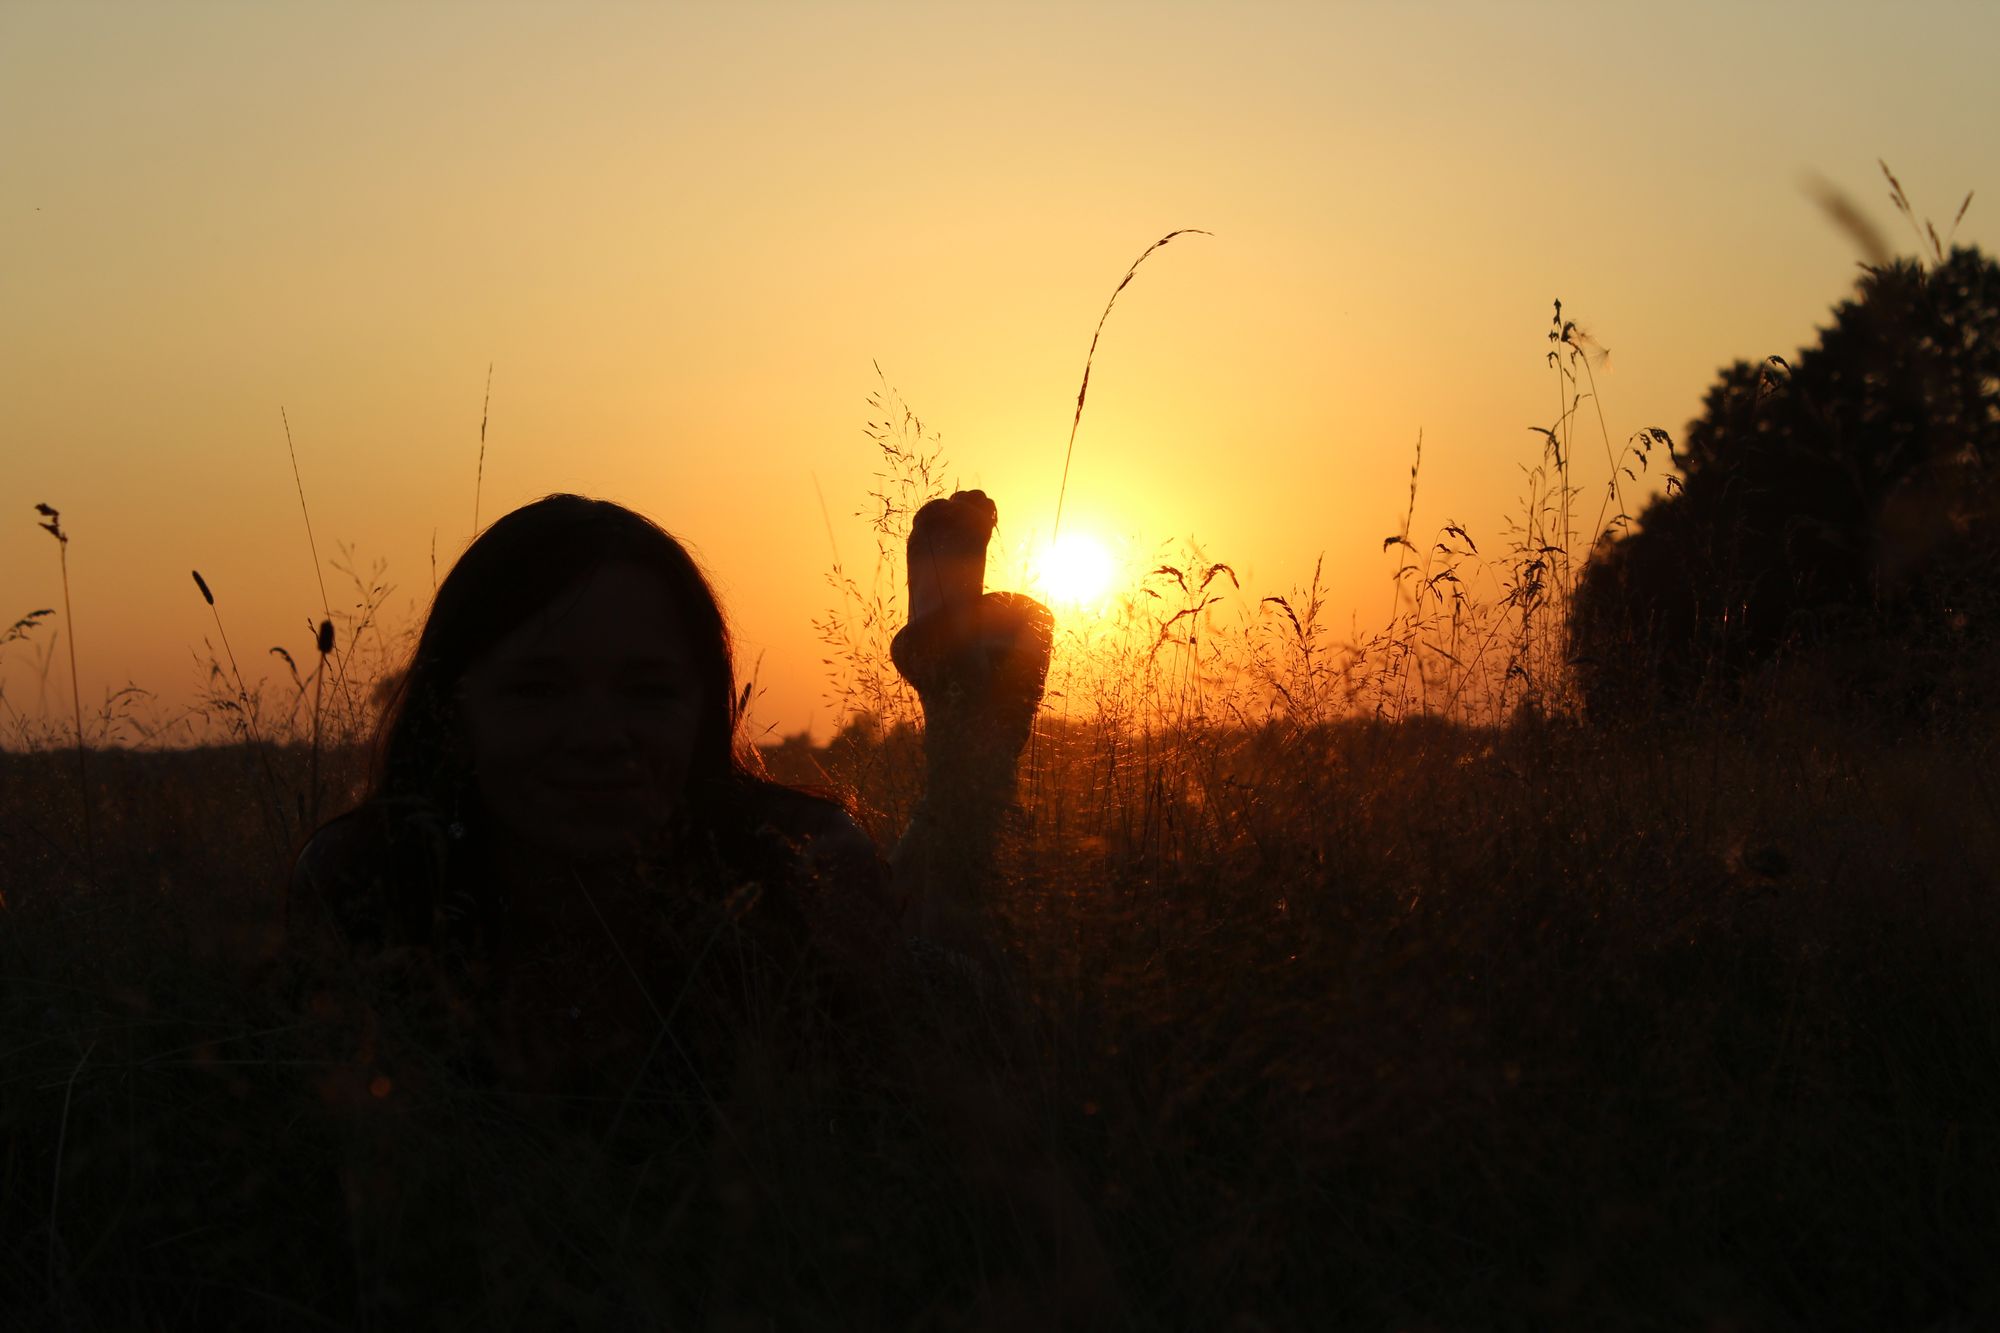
1370 1027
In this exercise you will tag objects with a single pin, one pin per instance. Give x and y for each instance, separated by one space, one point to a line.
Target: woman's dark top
654 984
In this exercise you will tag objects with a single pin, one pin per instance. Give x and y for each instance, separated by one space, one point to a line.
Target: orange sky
681 236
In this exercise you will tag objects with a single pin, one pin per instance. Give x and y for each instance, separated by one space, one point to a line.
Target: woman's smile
582 721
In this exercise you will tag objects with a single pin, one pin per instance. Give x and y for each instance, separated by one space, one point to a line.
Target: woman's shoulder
340 845
816 823
350 850
346 874
836 873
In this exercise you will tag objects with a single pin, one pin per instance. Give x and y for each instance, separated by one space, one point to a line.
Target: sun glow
1075 573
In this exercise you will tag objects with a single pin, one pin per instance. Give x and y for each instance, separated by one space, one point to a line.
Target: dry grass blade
246 707
1403 538
312 545
25 626
1896 195
479 477
1083 390
1901 200
1843 213
55 1190
207 596
1290 614
323 641
326 603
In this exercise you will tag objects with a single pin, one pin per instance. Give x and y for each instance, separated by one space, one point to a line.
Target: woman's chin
598 842
550 827
602 846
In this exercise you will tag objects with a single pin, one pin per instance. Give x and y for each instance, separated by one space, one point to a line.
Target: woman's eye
531 689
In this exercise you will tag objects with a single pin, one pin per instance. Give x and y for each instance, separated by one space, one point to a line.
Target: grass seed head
53 523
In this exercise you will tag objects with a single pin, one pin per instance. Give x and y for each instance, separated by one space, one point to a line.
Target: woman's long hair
516 568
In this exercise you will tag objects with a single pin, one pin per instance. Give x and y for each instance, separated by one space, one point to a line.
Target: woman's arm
978 661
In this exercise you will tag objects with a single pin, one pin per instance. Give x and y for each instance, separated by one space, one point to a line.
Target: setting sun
1075 572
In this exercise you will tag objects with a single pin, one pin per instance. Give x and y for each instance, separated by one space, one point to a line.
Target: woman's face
582 720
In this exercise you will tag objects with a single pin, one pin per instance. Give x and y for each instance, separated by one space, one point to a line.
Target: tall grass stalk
52 524
319 574
324 643
325 602
479 476
1075 421
1585 351
247 708
1083 390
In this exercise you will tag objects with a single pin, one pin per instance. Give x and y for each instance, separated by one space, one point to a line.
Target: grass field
1372 1025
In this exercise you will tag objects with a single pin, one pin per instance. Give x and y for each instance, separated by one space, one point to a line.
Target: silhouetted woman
567 877
575 965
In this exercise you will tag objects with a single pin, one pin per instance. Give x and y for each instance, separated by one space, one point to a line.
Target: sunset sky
682 235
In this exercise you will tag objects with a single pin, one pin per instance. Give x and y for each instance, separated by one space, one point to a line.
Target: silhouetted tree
1843 504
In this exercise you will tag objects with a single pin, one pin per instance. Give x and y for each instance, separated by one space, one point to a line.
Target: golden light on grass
1075 573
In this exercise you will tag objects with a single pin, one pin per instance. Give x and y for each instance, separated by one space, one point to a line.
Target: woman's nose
599 721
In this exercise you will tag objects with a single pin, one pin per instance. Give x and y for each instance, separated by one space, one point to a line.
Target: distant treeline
1836 513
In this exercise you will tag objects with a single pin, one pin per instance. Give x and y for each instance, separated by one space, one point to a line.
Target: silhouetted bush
1838 511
